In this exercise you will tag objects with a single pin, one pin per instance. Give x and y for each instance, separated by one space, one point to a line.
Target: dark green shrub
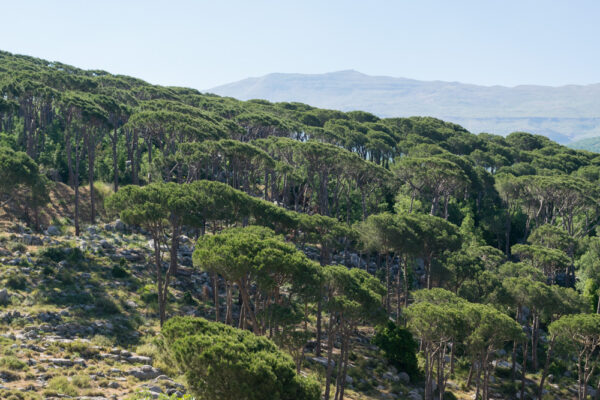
148 294
105 305
188 299
75 255
14 247
16 281
13 363
399 347
53 253
119 272
220 361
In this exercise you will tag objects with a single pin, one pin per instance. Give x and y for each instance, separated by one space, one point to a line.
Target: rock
145 372
502 364
139 359
404 377
414 395
120 226
4 296
106 244
131 304
388 376
322 361
31 240
62 362
113 385
154 389
53 231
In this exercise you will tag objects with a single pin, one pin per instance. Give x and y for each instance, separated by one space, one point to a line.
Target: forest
469 262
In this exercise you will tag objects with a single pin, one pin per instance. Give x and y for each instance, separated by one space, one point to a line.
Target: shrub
188 299
16 281
61 385
107 306
20 247
53 253
75 255
223 362
81 381
12 363
84 349
399 347
119 272
148 294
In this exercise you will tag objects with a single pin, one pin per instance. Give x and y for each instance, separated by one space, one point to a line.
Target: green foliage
12 363
61 385
399 347
119 272
221 361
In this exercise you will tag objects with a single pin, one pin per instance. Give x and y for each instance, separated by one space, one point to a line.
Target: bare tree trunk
319 323
387 284
216 295
330 334
115 161
524 369
546 366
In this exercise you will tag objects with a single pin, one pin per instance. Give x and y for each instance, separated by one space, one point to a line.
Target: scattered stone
135 359
322 361
53 231
145 372
131 304
414 395
388 376
404 377
120 226
4 296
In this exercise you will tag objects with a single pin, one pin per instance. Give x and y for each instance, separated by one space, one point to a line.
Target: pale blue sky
202 44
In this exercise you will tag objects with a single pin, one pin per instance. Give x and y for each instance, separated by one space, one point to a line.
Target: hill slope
562 113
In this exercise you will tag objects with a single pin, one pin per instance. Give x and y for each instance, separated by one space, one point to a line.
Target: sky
202 44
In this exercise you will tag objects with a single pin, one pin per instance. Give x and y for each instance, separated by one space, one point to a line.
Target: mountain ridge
563 113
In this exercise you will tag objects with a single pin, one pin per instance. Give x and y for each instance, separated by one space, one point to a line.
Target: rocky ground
78 320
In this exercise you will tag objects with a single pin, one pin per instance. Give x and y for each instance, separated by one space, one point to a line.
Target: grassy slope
76 308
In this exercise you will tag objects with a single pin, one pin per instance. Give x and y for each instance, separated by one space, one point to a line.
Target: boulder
139 359
414 395
145 372
404 377
4 296
120 226
53 231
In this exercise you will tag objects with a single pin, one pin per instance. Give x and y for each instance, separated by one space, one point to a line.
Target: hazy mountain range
565 113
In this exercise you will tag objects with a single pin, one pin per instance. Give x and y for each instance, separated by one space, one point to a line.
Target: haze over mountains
565 113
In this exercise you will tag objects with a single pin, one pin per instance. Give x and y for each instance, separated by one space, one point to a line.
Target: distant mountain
564 113
589 144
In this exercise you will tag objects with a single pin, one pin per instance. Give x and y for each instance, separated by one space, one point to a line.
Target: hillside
563 113
589 144
256 250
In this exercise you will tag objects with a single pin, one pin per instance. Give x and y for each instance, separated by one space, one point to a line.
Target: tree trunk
387 284
330 334
159 280
319 328
90 143
216 295
115 161
524 369
546 366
